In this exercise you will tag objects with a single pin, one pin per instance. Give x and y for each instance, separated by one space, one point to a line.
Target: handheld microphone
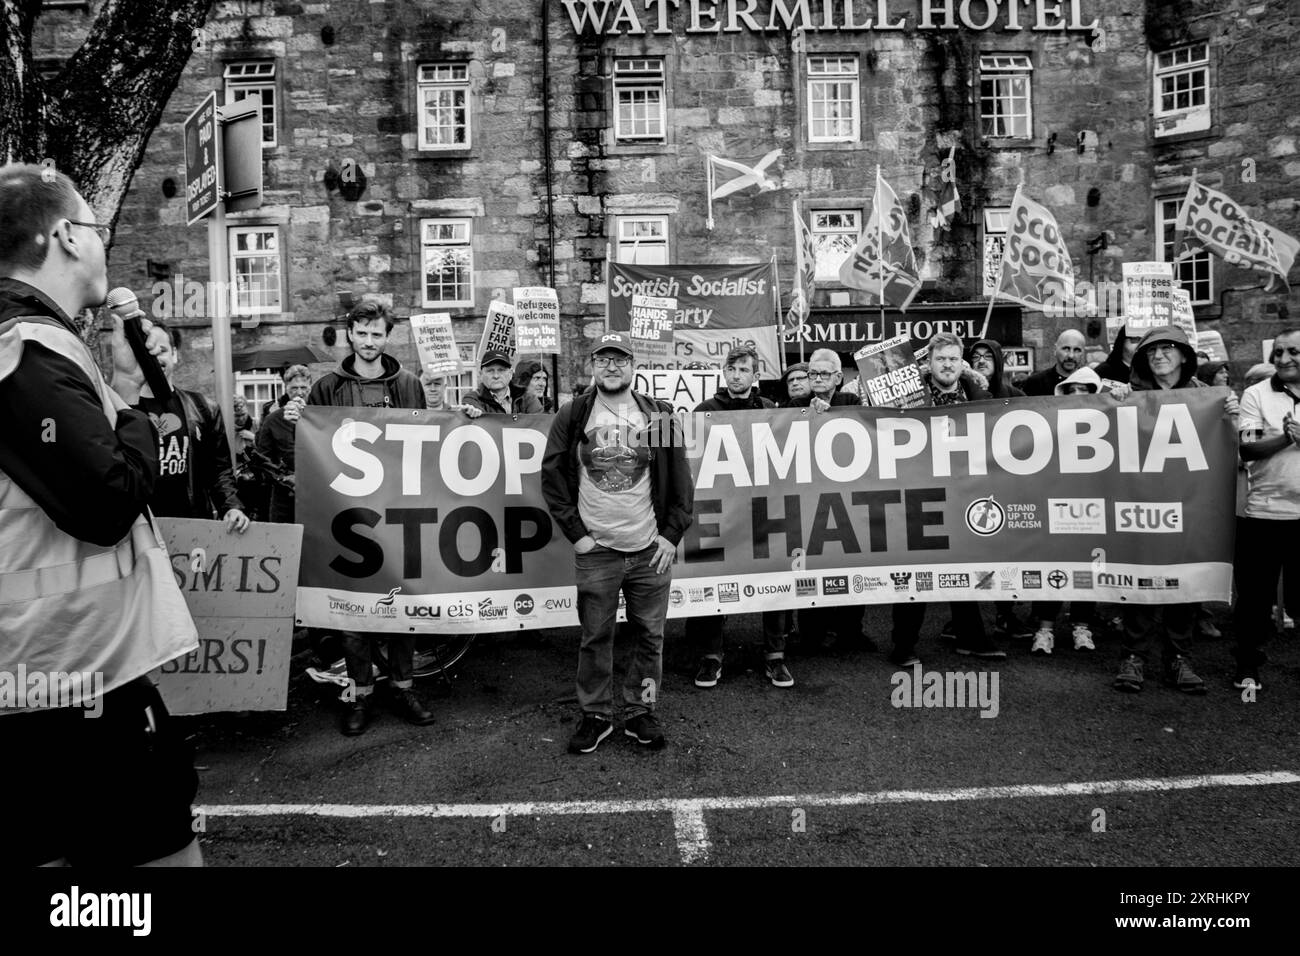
123 303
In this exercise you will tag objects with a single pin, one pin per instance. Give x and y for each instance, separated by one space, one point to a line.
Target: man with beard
1069 356
617 484
369 378
705 631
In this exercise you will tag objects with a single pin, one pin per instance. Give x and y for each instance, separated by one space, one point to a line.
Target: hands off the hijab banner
425 522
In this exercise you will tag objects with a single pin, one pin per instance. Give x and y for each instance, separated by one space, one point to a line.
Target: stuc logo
1150 517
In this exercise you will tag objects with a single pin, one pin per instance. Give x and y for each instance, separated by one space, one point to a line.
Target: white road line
688 813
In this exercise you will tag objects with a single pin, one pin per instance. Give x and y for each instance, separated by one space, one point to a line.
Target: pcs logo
524 605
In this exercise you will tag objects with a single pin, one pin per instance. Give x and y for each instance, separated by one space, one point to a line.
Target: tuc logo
1151 517
1076 515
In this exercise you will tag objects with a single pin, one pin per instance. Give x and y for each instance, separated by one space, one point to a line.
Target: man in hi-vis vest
88 602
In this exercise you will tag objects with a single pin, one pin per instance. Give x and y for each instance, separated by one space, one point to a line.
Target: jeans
909 617
1265 548
706 633
1175 630
358 650
601 573
1081 612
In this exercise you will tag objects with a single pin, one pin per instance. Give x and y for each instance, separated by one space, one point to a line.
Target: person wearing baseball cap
617 484
493 395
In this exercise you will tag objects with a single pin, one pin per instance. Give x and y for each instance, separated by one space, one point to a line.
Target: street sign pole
219 307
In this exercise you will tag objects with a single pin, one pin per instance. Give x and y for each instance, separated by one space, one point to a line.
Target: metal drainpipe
546 165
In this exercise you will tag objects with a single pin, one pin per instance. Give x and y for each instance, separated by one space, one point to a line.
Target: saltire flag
949 200
1212 221
883 264
1036 267
726 176
805 271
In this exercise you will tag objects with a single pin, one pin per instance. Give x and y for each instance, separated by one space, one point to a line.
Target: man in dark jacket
494 396
616 481
948 386
1115 370
986 358
1069 356
196 478
796 383
825 376
275 441
1164 360
705 631
369 378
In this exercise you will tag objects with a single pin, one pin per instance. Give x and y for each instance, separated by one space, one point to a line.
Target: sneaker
984 648
1247 677
357 717
710 672
1209 630
1083 638
409 707
1129 678
779 674
591 731
644 729
1179 674
903 658
1044 640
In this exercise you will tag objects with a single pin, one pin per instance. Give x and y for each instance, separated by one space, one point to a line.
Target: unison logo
919 688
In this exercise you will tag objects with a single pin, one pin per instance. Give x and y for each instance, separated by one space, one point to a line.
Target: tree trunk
93 120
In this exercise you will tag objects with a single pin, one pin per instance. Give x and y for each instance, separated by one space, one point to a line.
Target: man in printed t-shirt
616 482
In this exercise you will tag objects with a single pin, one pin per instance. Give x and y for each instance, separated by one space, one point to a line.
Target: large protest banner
718 307
425 522
240 591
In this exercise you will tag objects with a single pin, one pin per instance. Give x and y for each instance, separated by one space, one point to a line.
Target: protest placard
436 343
1183 315
537 321
652 328
1148 296
965 502
498 329
240 589
681 388
889 374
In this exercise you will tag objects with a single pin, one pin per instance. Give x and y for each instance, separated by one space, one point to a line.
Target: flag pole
708 188
993 297
780 322
799 267
880 247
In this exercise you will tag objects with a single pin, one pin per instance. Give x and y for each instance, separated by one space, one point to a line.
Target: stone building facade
438 153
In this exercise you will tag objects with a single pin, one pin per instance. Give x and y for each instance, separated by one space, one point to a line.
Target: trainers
591 731
779 674
983 648
1179 674
903 658
1129 678
644 729
1209 630
410 708
1044 640
357 717
1247 677
710 672
1083 638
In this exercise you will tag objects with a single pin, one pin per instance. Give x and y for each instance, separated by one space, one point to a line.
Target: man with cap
1164 360
617 484
796 383
493 395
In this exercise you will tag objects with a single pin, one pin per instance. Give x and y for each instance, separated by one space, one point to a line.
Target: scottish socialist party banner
718 307
427 522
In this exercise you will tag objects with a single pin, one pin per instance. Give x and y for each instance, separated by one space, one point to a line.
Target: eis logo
985 517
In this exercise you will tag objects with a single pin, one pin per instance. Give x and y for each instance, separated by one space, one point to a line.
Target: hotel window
1005 110
443 106
641 240
1182 90
1193 272
448 258
833 95
639 98
254 76
258 386
255 270
835 232
995 243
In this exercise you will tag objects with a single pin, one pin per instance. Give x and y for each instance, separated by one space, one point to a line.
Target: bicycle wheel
438 654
